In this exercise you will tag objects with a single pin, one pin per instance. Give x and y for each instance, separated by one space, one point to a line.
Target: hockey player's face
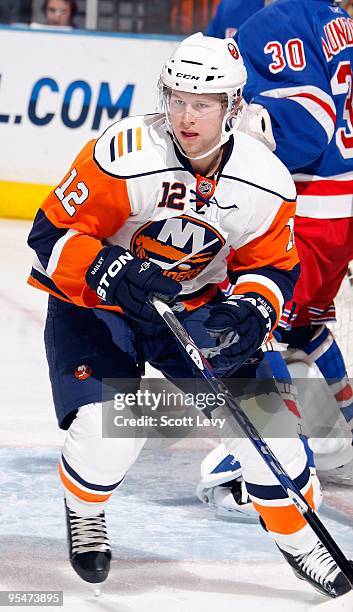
196 120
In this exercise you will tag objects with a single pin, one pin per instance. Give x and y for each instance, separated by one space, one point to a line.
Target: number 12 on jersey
77 196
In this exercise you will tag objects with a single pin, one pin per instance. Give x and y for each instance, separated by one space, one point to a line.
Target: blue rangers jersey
230 15
299 57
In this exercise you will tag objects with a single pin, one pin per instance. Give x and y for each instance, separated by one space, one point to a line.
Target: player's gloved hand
240 324
121 279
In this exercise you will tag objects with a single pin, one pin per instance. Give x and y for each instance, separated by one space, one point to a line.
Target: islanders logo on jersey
181 246
233 50
83 371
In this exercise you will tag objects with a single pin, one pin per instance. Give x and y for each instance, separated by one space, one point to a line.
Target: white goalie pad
225 504
219 467
330 437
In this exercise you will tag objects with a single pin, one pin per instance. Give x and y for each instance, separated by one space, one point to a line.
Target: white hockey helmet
205 65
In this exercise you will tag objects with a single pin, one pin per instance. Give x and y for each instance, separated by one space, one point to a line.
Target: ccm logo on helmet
192 77
112 271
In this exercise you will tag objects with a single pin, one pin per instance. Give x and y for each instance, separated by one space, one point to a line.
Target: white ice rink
170 553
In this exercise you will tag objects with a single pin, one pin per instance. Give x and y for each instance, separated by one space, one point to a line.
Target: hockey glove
120 279
240 325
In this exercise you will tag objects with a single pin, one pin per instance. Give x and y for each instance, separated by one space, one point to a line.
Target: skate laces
88 533
319 565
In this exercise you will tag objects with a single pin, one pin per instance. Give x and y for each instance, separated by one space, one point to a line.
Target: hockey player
230 15
299 59
153 207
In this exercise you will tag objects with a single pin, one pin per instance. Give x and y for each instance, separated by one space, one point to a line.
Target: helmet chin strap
225 135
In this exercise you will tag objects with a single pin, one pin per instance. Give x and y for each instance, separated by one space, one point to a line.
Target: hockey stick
234 414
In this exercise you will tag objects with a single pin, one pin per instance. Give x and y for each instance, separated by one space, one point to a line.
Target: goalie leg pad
323 350
221 484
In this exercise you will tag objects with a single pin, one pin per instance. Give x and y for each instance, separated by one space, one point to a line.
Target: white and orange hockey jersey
132 187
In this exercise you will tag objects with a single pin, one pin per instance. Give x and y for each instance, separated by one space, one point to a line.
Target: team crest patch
205 186
83 371
233 50
182 246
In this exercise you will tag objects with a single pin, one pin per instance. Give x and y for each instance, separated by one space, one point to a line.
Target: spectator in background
60 12
230 15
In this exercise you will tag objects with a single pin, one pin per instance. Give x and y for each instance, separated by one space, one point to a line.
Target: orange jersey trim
104 208
120 144
248 287
202 299
70 272
273 248
38 285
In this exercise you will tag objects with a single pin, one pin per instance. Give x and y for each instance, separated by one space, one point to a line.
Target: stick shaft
234 413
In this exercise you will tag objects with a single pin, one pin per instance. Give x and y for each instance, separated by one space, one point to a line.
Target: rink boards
59 90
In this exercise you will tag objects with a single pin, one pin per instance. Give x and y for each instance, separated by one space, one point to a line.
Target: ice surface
170 552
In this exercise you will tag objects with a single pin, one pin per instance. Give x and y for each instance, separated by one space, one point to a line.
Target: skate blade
97 590
340 604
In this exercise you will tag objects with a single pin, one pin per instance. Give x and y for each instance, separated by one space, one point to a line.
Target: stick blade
340 604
